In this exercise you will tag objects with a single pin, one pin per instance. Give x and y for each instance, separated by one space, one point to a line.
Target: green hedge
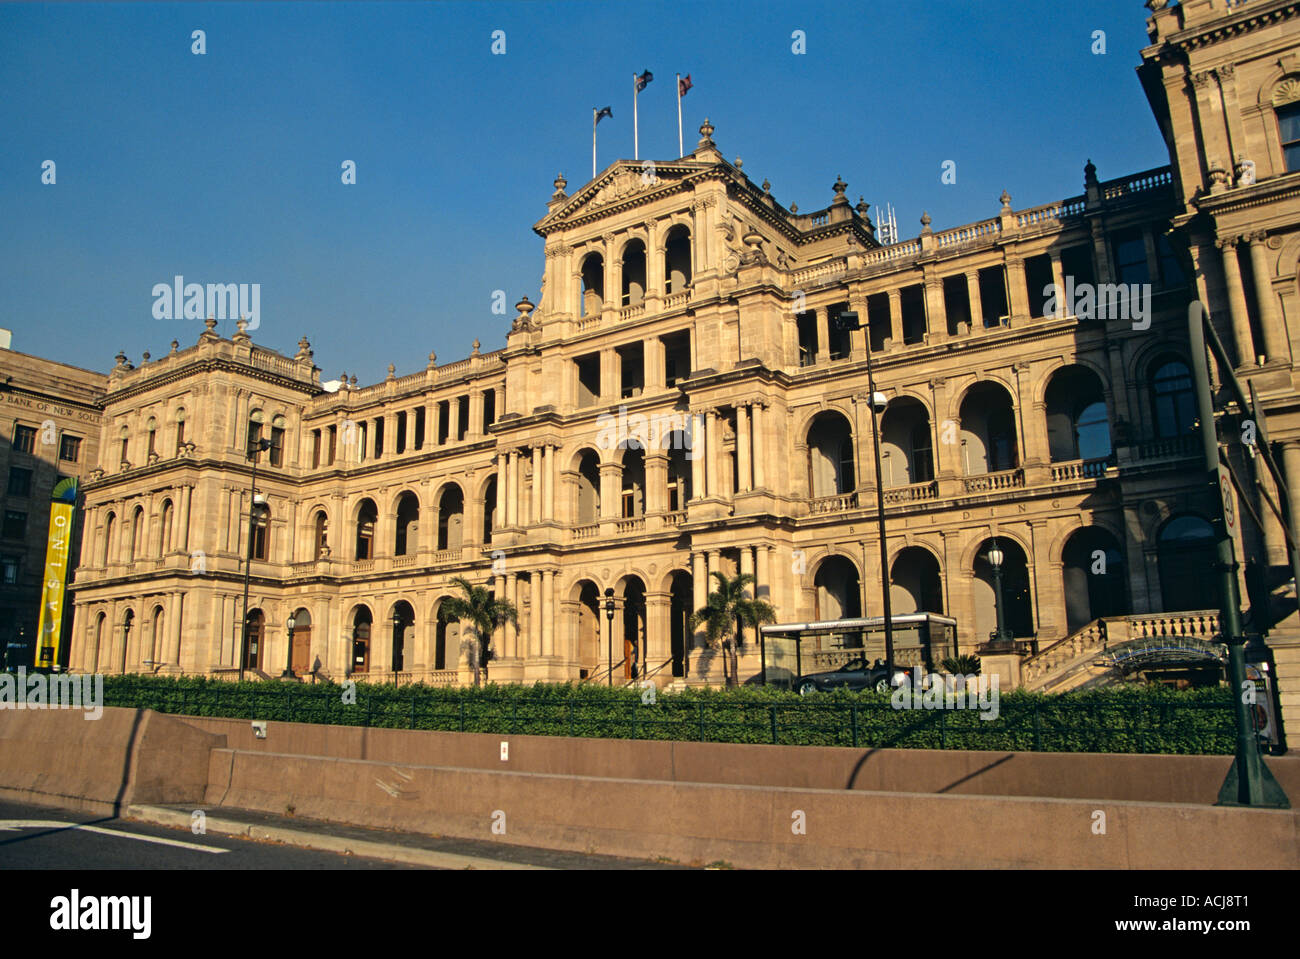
1126 719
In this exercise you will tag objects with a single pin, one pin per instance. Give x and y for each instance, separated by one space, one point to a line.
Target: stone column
1017 287
712 445
502 488
1270 314
536 498
1058 277
936 319
747 566
512 629
1291 467
823 337
743 448
699 450
175 612
1237 303
611 476
656 481
763 589
535 613
512 488
976 304
548 483
610 380
475 415
896 317
548 612
499 641
700 594
183 525
653 350
757 439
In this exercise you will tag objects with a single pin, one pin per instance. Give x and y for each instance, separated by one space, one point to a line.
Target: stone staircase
1080 658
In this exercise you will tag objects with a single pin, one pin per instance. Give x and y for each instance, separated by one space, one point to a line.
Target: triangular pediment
622 183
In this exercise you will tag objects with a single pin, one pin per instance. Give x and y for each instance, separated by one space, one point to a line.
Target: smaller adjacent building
49 422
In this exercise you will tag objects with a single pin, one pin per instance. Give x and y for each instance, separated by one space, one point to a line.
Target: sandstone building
689 303
50 421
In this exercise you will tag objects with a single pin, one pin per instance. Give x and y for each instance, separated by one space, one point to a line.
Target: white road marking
8 825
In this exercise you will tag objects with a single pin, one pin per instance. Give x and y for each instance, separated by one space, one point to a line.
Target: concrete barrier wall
57 756
1147 778
752 827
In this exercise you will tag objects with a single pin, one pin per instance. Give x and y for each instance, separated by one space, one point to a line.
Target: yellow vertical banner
57 549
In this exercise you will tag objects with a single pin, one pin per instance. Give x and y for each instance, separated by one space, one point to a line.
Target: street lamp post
995 557
848 321
609 618
288 665
397 625
257 447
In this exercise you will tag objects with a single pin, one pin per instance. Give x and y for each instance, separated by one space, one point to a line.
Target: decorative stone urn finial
839 187
560 184
767 187
706 134
474 352
925 222
739 163
392 372
121 359
176 344
1006 201
433 360
862 207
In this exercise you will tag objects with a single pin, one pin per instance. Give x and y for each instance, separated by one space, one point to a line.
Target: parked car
856 674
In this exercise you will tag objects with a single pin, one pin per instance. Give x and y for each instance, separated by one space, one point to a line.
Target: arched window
1186 562
988 430
261 534
633 273
588 487
256 420
110 527
406 540
180 428
1173 405
490 518
320 535
1077 424
275 455
677 259
451 518
151 431
137 530
830 456
124 437
1286 104
593 284
367 515
164 542
254 639
633 480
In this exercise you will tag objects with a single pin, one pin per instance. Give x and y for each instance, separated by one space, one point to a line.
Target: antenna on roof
886 225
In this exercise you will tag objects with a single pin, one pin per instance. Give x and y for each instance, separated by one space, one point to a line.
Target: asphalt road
106 843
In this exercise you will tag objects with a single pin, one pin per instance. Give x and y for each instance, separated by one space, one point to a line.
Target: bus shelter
790 650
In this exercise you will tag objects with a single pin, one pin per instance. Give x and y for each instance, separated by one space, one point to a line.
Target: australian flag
605 112
643 79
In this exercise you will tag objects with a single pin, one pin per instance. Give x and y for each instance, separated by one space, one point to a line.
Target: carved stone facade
692 308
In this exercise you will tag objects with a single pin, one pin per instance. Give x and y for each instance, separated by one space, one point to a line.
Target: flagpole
636 139
680 151
594 121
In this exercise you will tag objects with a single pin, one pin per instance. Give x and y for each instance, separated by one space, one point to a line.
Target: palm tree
726 611
479 610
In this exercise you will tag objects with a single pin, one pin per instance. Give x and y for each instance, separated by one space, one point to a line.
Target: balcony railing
633 524
1079 469
590 531
912 493
447 556
1006 479
1167 448
838 503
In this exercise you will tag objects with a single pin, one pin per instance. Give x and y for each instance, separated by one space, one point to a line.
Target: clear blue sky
226 167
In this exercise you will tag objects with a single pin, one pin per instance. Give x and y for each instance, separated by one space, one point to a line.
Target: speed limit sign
1229 500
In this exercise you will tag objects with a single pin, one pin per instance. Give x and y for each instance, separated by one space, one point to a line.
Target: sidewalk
434 852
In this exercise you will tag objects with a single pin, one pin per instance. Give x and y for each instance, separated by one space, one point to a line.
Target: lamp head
995 555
